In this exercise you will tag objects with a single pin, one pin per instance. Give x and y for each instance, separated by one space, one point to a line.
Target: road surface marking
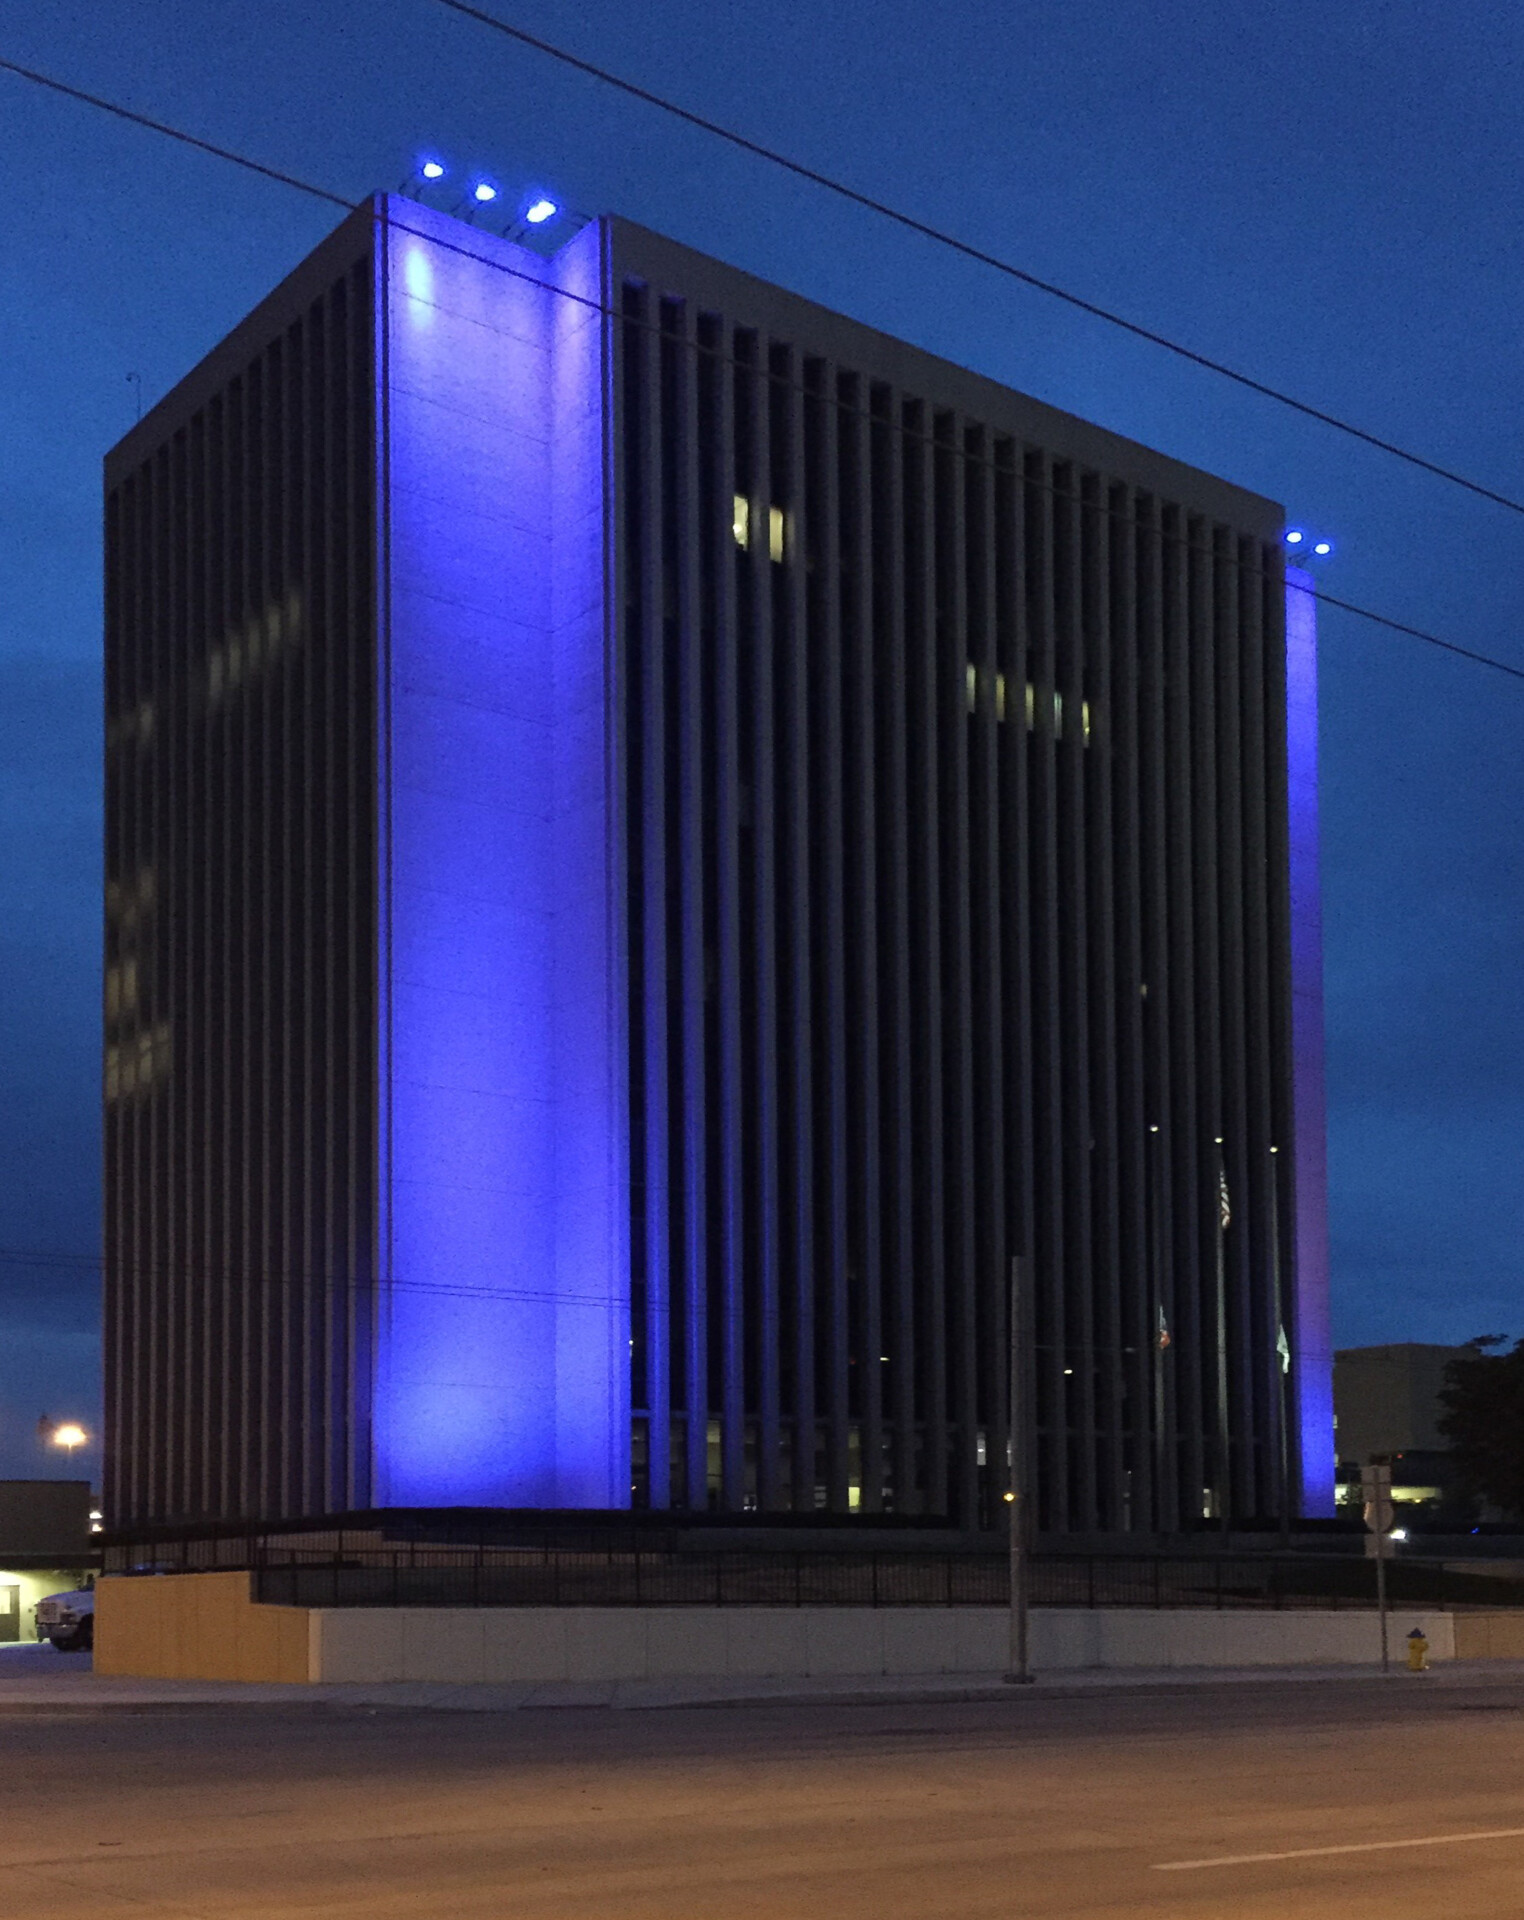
1359 1846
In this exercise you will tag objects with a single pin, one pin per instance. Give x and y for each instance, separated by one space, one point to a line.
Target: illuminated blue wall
1313 1358
502 1359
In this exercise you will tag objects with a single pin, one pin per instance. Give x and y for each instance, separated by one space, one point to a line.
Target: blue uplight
484 191
432 170
1295 537
1323 546
541 211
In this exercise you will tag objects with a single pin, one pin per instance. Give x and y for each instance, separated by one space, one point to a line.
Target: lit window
971 686
999 696
740 521
775 532
121 989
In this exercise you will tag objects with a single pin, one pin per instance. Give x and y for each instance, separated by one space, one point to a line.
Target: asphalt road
1045 1805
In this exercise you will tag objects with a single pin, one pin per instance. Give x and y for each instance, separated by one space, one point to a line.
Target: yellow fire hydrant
1418 1652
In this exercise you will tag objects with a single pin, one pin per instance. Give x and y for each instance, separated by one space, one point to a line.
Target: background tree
1483 1419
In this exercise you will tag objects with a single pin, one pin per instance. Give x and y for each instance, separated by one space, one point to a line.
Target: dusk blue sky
1327 198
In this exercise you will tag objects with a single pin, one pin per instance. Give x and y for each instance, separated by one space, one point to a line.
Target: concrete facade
656 837
205 1626
502 1344
656 1643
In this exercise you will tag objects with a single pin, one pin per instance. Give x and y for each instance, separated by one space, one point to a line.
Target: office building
1387 1407
657 837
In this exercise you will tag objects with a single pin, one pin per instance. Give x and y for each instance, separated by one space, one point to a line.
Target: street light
69 1436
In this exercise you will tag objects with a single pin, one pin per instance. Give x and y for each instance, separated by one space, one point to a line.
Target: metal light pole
1019 1672
1376 1485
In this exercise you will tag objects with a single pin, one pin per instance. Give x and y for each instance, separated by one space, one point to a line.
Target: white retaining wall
618 1643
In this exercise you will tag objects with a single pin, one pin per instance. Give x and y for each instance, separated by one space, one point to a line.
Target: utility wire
789 383
338 1286
979 254
349 206
887 212
273 1276
174 133
1418 633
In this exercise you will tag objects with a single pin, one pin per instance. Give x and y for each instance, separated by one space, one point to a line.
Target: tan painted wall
196 1626
1489 1636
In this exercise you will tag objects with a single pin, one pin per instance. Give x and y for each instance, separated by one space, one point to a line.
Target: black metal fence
428 1576
368 1563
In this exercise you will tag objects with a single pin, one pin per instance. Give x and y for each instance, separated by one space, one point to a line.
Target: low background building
1386 1402
46 1546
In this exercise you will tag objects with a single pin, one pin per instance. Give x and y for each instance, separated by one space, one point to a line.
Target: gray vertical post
1376 1485
1020 1671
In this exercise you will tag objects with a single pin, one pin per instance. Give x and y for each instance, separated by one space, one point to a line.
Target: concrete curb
83 1694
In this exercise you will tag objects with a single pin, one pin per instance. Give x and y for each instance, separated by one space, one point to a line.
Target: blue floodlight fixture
539 211
432 170
1295 537
484 191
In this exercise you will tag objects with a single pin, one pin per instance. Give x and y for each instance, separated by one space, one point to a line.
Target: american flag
1164 1335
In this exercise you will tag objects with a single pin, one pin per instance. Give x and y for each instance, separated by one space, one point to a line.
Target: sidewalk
28 1686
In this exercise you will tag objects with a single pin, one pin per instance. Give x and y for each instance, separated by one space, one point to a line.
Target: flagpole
1019 1668
1224 1215
1282 1348
1158 1332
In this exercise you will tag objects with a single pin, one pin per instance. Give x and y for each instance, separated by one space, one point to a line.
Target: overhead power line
787 381
338 200
979 254
1419 633
175 133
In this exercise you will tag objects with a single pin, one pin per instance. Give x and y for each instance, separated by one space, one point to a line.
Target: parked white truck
67 1620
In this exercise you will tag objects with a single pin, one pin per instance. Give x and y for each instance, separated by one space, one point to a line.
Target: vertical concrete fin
500 1379
1313 1345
